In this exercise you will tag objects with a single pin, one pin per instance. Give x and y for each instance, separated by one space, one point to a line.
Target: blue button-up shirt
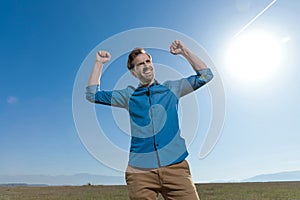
153 110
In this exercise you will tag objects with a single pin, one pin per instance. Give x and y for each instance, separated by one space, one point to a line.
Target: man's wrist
99 63
185 51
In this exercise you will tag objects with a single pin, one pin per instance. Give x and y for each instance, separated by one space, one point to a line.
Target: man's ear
133 72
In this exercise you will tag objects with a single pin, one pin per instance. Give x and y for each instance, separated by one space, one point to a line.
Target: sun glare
254 57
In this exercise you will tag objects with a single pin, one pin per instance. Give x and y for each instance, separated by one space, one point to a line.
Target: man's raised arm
101 58
177 47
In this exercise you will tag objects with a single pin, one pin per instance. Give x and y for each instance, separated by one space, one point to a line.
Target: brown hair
133 54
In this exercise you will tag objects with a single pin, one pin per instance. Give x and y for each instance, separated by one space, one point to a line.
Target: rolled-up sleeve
187 85
90 92
118 98
205 75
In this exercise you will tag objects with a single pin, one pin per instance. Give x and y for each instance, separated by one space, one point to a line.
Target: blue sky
43 44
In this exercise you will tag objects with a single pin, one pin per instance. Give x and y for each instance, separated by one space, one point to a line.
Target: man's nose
147 65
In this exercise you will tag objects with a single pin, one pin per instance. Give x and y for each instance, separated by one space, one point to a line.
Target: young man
157 154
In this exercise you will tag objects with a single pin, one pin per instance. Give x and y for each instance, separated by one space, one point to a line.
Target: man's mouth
148 72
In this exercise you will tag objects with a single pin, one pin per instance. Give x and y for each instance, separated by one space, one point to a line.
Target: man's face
143 69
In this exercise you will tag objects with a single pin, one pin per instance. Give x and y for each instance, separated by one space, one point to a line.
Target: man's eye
148 61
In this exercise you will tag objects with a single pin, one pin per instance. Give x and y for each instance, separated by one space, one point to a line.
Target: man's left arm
178 48
189 84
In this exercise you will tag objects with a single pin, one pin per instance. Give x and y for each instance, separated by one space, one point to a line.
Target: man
157 153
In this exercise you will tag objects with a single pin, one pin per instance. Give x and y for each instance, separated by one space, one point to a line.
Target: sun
254 57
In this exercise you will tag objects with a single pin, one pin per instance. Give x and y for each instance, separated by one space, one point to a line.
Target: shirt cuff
203 71
92 88
205 74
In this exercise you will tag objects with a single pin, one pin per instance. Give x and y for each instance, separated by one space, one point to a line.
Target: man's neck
147 84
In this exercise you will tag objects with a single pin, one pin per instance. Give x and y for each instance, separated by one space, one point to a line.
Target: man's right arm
93 85
101 58
94 94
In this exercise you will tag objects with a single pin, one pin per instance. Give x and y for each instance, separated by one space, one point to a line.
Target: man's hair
133 54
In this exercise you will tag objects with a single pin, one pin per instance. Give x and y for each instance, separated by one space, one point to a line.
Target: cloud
12 100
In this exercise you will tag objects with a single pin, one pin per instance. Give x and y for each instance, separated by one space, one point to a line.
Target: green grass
213 191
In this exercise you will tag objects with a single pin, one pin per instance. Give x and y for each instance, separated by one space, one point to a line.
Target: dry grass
250 191
220 191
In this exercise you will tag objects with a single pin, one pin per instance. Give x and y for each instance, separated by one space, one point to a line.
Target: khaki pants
173 182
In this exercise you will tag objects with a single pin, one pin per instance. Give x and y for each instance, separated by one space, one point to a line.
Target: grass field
212 191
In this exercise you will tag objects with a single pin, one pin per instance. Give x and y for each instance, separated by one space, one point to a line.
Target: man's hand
177 47
102 56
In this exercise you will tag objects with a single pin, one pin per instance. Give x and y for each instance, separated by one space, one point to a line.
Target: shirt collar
154 83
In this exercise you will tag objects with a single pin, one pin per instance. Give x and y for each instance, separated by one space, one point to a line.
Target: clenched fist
177 47
102 56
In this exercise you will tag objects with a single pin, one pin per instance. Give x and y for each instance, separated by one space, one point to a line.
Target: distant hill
77 179
85 179
281 176
22 185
